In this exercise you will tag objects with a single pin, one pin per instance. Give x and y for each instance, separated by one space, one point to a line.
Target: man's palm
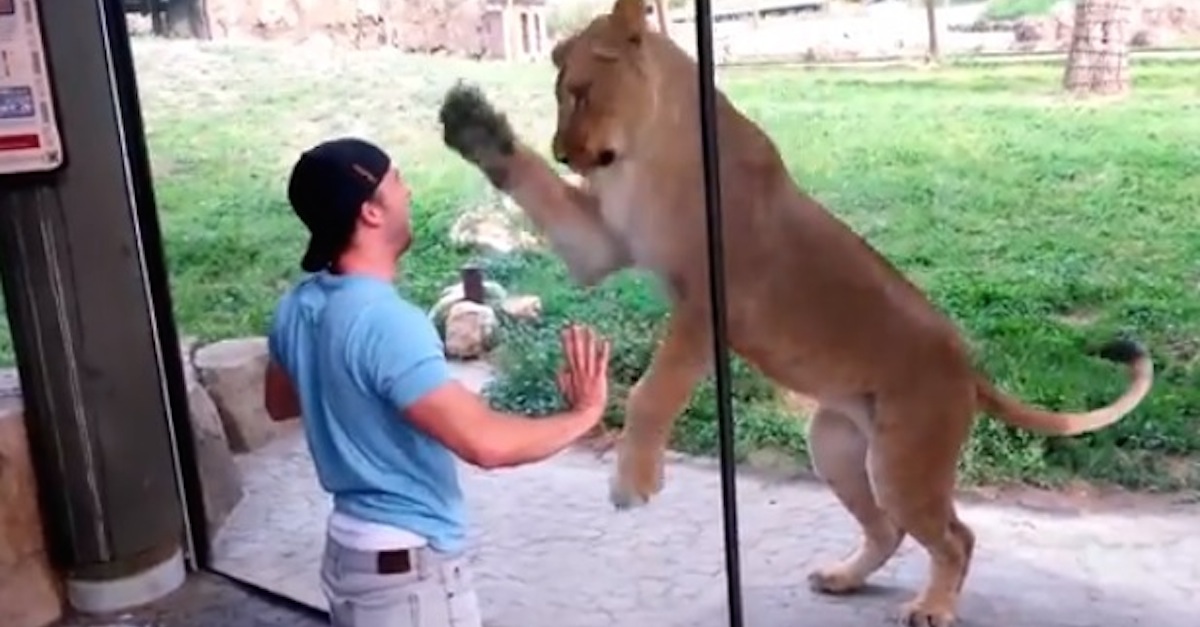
583 380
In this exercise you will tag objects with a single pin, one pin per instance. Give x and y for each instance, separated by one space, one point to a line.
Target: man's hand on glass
583 377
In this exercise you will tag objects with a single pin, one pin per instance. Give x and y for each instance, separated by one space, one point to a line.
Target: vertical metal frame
716 278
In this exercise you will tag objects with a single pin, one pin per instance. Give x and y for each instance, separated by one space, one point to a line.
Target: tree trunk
187 19
1098 62
931 23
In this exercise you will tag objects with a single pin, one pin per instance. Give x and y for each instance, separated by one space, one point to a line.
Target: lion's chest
625 207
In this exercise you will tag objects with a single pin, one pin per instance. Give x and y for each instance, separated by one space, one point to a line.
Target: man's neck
382 269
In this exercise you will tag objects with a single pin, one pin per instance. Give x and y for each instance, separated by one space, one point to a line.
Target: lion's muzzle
582 159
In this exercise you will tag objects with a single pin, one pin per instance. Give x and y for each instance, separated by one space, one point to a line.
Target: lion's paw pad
831 581
923 615
624 496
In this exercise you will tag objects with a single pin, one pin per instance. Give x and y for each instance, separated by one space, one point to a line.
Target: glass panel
927 166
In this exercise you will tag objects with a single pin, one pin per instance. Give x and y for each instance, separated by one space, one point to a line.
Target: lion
810 304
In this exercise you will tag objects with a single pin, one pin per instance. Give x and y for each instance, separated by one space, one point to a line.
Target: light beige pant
437 592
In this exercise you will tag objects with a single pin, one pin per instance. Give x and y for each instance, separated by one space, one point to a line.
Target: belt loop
337 557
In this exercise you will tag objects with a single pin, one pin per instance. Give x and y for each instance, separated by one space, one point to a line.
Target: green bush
1016 9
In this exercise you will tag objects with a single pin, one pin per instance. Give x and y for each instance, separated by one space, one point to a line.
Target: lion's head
605 88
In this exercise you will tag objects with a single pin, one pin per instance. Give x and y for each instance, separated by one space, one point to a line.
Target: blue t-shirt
358 355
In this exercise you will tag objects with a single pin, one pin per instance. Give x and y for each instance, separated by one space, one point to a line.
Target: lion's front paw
475 129
639 476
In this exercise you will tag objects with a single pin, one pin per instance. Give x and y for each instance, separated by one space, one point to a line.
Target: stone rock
220 478
492 291
233 372
496 228
522 307
30 595
470 330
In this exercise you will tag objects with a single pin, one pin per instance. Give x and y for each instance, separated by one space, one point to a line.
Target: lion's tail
1018 414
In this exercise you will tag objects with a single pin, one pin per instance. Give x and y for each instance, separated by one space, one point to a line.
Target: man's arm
279 395
459 419
404 360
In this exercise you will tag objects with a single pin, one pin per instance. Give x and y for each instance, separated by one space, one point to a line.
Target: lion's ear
630 17
558 55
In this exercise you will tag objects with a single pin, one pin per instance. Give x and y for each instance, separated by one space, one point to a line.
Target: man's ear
630 17
370 213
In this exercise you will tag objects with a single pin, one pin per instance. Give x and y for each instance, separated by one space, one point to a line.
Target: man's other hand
583 378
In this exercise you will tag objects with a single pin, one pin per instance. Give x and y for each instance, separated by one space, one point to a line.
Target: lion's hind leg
838 449
913 462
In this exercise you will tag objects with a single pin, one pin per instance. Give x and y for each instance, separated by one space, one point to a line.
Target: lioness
810 304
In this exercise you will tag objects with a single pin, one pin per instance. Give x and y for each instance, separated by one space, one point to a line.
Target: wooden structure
515 30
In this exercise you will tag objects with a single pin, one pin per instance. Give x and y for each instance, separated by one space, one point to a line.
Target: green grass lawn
1043 227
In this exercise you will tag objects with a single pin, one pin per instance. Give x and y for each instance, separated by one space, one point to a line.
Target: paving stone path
552 552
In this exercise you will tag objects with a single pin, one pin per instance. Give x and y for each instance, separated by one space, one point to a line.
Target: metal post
158 17
716 278
472 280
85 286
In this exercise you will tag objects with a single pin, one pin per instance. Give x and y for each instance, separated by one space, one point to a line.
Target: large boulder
470 330
220 479
233 371
29 591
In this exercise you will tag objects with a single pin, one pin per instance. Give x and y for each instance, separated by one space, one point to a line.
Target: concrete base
115 595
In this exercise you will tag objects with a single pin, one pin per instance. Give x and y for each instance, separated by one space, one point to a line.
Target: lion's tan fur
809 303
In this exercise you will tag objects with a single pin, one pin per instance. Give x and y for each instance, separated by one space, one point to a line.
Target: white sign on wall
29 137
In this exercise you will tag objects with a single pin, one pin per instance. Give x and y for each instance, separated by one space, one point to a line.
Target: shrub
1016 9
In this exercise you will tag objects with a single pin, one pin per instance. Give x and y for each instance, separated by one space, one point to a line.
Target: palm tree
932 54
1098 62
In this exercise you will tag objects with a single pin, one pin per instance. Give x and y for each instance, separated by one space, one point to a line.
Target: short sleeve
405 358
275 347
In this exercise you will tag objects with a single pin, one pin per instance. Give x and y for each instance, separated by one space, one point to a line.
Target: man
383 417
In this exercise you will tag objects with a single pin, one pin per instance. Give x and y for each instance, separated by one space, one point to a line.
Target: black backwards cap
328 185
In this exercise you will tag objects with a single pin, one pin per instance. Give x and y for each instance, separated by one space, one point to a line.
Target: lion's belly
792 346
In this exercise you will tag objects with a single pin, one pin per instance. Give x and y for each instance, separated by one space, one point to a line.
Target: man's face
392 200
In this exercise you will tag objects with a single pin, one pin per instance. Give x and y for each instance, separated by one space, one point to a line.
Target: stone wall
425 26
224 385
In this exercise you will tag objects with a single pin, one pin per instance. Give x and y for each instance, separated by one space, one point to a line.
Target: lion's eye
578 94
